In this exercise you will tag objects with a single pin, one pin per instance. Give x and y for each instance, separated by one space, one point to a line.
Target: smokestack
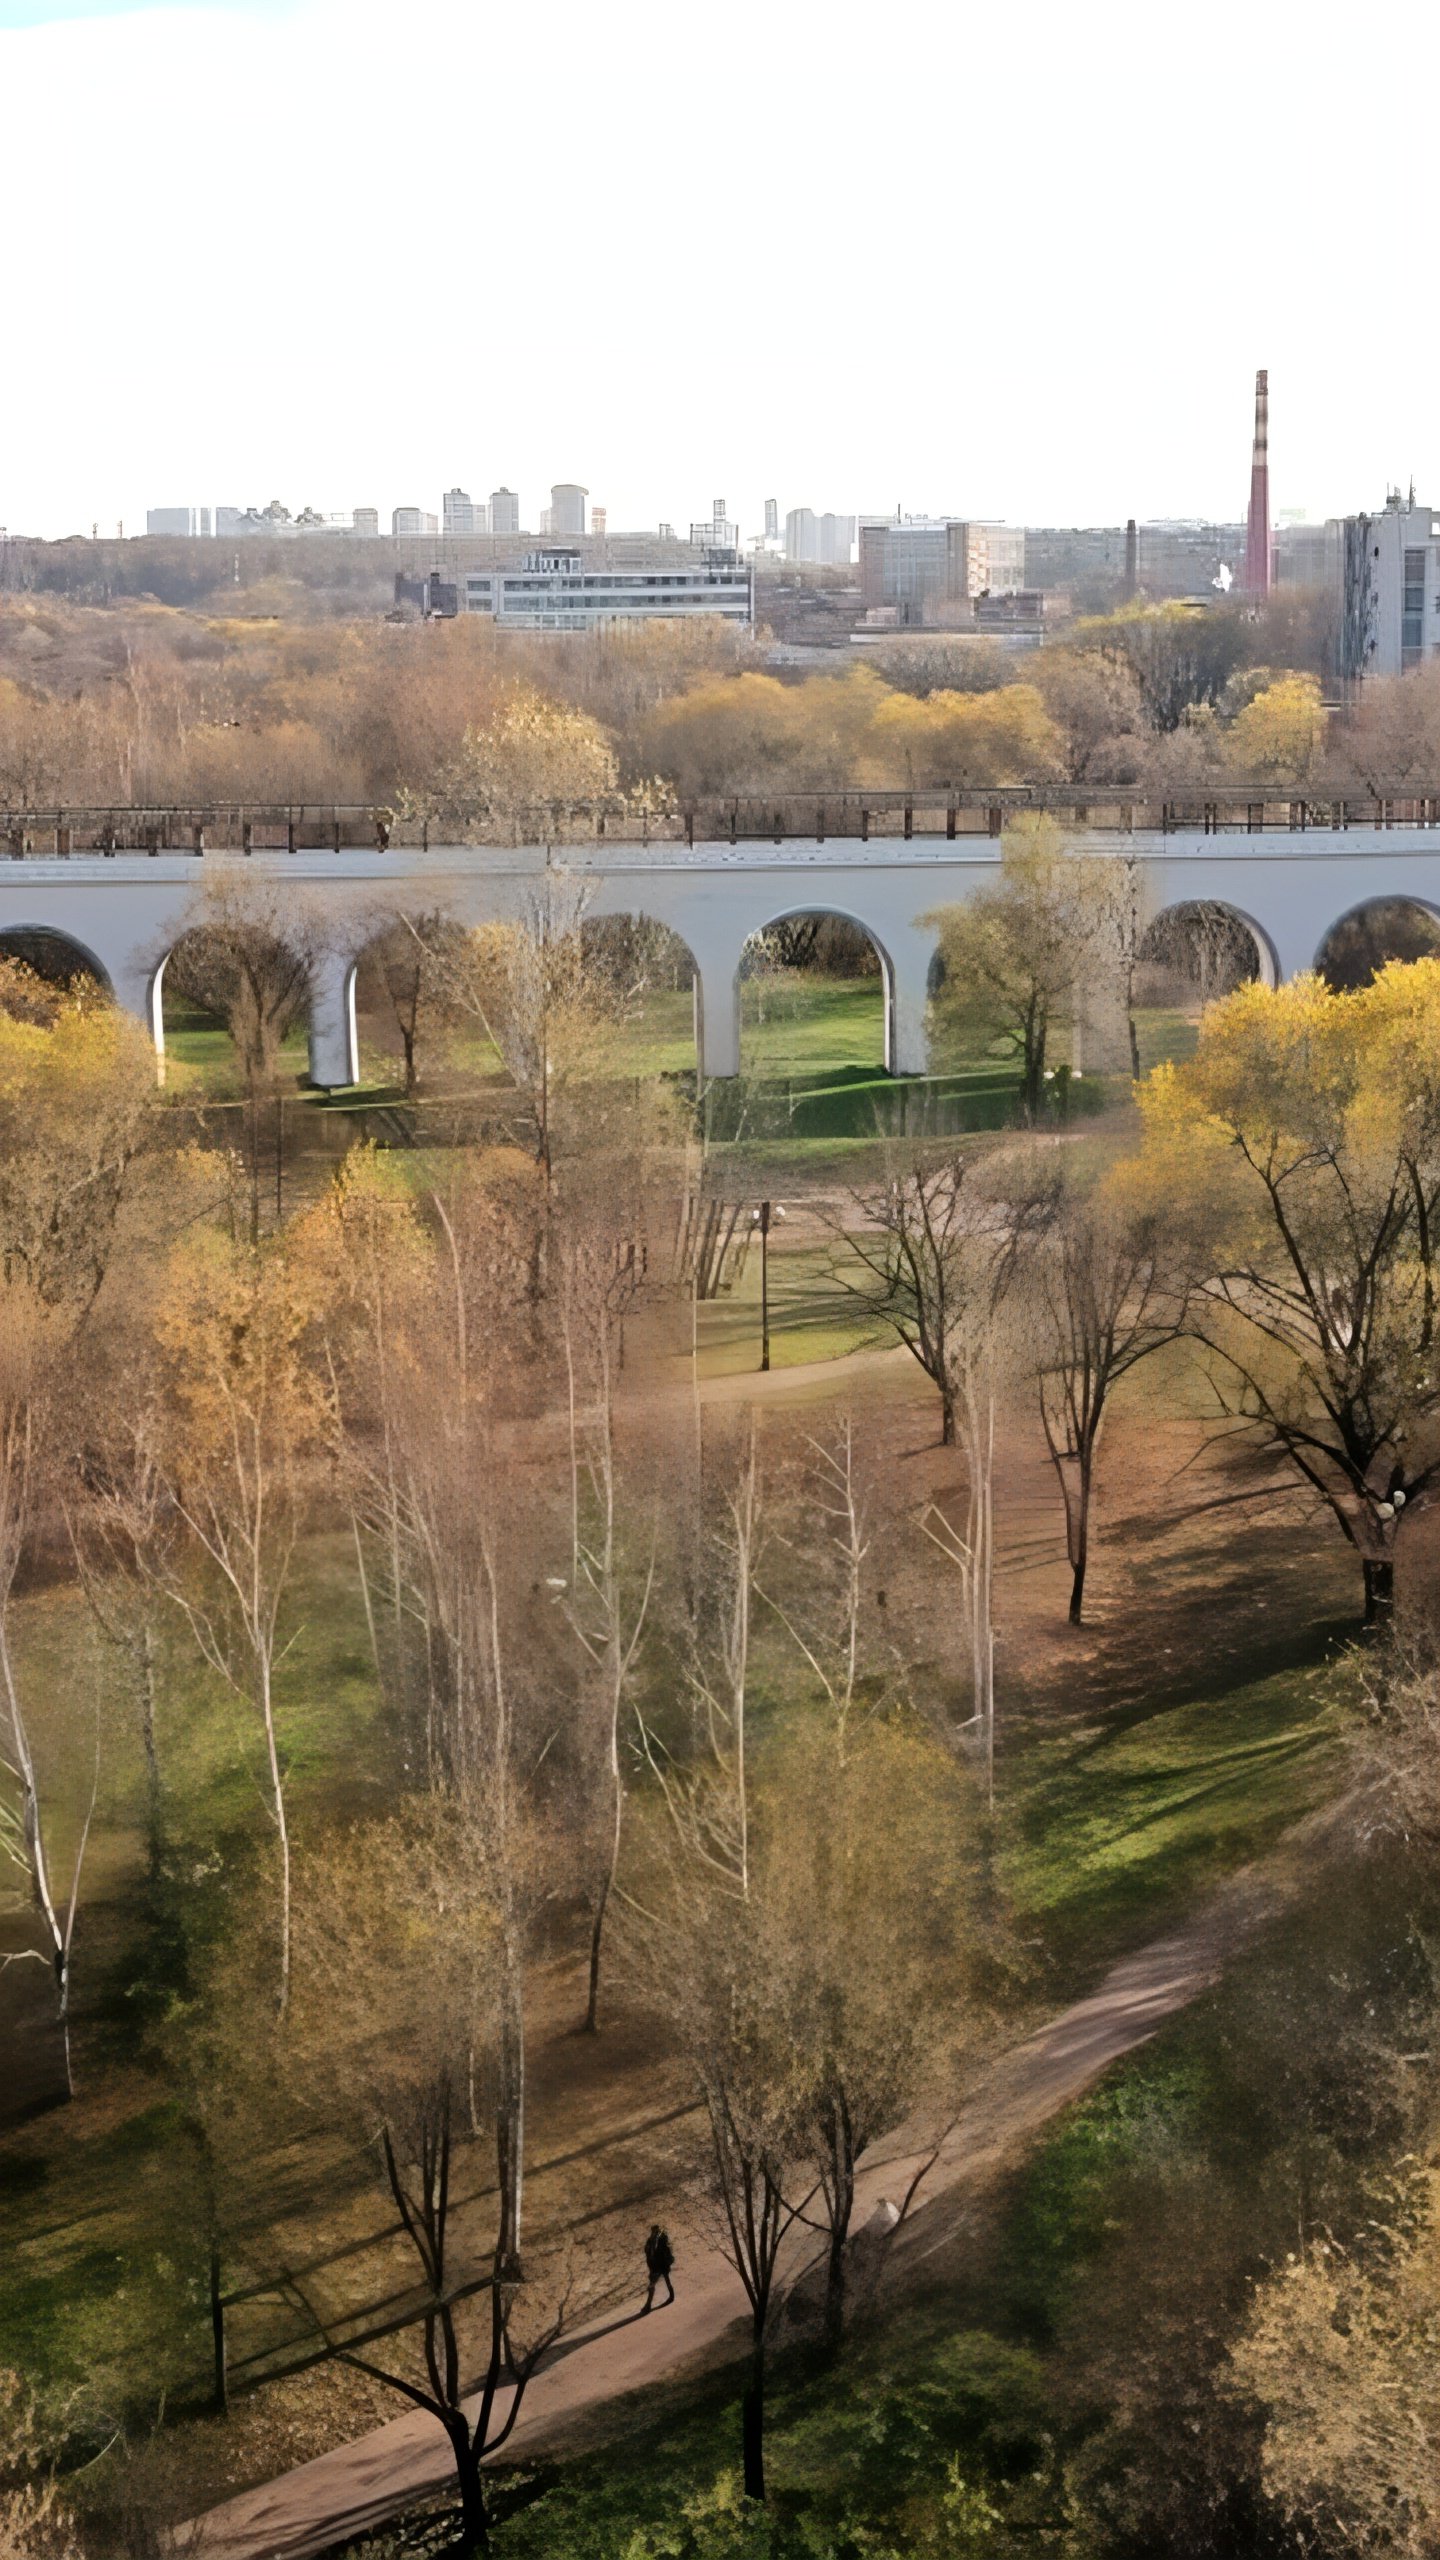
1132 559
1257 522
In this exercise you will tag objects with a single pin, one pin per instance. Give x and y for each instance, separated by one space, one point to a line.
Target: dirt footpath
360 2485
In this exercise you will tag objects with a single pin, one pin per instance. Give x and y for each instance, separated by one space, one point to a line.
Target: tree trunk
62 1997
282 1830
217 2335
1079 1540
602 1902
947 1419
1379 1590
510 2120
752 2424
474 2520
154 1818
835 2285
842 2205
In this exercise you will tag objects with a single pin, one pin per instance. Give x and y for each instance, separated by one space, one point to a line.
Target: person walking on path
659 2259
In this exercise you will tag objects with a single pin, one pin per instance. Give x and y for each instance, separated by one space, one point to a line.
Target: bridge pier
906 958
717 1011
334 1044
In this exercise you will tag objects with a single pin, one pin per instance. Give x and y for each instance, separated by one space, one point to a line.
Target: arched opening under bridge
231 1005
55 959
816 997
640 977
415 1029
1189 956
1359 944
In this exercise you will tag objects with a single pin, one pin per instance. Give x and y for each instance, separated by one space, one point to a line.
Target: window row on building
554 591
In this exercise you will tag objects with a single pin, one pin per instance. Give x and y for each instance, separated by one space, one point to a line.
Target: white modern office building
828 539
552 590
191 523
1390 600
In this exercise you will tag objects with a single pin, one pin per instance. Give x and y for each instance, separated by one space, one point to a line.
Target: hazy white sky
1020 260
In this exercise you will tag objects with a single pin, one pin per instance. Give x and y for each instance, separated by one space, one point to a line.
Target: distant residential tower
567 510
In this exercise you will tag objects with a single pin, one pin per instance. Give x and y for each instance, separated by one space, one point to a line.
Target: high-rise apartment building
504 511
567 510
458 512
829 539
412 520
366 520
772 519
599 519
1390 589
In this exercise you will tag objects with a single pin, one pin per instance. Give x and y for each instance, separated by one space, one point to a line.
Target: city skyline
1104 370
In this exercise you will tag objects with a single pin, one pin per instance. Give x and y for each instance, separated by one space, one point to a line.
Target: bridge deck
776 818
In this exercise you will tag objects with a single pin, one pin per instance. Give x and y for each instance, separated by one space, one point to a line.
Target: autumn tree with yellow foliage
1339 2350
76 1094
1279 735
966 741
1298 1152
533 757
1015 955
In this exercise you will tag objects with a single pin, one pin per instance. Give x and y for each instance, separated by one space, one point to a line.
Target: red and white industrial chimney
1257 522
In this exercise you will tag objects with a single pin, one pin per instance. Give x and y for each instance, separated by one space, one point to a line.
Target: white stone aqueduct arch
121 910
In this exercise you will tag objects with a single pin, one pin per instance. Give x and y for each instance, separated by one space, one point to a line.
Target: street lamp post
761 1218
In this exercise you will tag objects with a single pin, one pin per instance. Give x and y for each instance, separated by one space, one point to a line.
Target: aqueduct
122 911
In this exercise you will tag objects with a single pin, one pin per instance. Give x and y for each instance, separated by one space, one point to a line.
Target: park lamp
761 1218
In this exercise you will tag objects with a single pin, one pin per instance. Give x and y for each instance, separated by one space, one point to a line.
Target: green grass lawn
1114 1832
201 1054
795 1022
99 2202
811 1317
1165 1032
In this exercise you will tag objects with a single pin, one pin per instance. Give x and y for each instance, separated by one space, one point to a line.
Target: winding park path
362 2484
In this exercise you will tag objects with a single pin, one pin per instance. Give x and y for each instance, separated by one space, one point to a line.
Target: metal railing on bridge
927 817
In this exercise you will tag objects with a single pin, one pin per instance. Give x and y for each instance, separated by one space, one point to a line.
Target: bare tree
248 959
121 1524
1200 944
1103 1295
932 1246
241 1409
528 988
710 1954
397 1934
867 1847
417 1394
404 973
609 1604
971 1550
